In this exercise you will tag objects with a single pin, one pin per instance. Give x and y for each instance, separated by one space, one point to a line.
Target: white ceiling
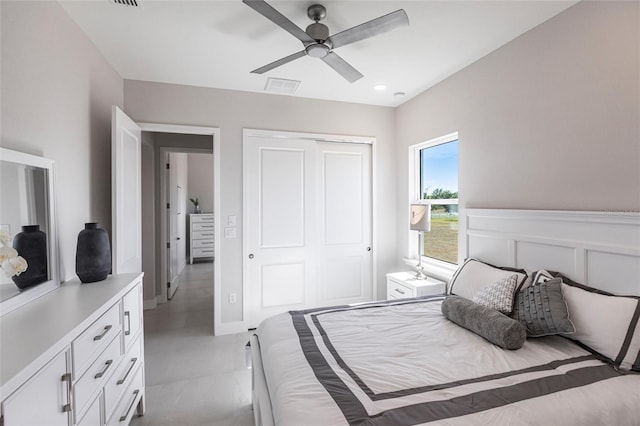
217 43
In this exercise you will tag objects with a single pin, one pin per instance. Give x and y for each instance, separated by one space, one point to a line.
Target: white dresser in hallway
201 236
75 356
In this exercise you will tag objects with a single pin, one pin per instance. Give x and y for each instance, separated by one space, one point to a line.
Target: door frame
214 132
319 137
164 220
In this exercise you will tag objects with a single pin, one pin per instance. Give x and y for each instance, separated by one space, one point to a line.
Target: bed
403 362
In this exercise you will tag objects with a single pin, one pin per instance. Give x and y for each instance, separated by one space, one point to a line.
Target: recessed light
399 94
380 87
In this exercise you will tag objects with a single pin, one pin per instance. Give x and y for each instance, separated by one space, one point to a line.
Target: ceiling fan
316 40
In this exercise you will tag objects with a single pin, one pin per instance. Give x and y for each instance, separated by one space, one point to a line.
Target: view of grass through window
439 184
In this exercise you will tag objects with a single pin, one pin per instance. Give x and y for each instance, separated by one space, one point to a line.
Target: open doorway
178 164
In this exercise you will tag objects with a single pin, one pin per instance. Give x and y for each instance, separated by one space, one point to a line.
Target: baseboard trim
149 304
229 328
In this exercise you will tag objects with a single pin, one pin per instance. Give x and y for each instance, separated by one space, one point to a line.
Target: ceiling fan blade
369 29
266 10
279 62
342 67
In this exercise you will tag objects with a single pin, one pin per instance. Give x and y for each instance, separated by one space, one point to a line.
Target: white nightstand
401 285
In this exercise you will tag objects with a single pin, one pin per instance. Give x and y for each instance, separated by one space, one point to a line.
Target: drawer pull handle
128 330
206 242
133 362
104 332
400 291
133 401
67 378
106 367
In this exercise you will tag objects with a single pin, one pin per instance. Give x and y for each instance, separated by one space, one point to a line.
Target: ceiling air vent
133 3
281 86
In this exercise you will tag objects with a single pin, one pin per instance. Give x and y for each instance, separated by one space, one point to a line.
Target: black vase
31 244
93 254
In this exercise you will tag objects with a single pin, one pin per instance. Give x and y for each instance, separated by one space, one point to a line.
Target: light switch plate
230 232
231 220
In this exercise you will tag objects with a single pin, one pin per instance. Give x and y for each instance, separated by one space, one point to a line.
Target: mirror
28 255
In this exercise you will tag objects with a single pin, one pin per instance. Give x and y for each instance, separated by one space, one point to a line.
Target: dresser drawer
86 346
93 416
126 407
131 315
203 226
396 290
202 218
202 235
202 244
97 373
123 375
203 252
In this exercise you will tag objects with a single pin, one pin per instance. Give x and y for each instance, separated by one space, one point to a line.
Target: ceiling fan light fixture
380 87
317 50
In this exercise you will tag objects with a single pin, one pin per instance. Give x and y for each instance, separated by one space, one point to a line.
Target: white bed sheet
405 363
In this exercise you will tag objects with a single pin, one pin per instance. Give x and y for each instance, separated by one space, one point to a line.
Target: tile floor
192 377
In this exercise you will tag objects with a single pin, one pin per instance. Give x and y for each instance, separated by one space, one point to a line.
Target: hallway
192 377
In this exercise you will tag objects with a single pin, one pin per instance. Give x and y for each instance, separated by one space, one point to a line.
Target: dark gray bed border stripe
636 365
355 413
490 398
627 339
405 392
348 403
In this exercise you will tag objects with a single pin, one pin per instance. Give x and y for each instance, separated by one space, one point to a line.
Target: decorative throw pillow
486 323
607 325
499 295
541 276
541 308
473 275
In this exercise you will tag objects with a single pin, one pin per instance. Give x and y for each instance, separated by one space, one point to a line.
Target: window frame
436 267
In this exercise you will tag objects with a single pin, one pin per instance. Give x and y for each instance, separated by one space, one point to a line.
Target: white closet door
126 171
344 252
279 226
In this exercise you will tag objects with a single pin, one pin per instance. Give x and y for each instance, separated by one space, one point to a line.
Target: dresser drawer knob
133 362
104 332
125 415
106 367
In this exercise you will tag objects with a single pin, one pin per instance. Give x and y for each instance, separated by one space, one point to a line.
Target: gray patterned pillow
499 295
542 309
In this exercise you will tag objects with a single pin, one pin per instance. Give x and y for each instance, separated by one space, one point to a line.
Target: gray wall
232 111
548 121
150 285
56 97
201 181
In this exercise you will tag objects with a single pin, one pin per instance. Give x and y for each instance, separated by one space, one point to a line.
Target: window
436 180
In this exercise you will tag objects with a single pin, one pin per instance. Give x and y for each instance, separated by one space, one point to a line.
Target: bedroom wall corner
550 120
56 96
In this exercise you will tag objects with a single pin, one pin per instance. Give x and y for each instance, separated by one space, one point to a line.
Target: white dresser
75 356
401 285
201 233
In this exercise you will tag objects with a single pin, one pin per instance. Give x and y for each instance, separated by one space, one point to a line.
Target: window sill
441 272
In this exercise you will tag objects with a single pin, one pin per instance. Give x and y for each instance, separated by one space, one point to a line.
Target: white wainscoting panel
599 249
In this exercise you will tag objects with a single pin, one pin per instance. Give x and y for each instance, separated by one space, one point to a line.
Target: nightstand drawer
396 290
401 285
204 226
202 243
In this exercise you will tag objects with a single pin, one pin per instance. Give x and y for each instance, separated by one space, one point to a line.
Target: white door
279 226
307 228
126 167
344 242
173 272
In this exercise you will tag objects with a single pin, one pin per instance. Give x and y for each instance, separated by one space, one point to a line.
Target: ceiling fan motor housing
319 32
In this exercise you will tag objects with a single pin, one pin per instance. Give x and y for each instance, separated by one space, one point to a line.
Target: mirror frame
53 283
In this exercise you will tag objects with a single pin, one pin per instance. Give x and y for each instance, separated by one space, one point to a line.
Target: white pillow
475 275
606 324
499 295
